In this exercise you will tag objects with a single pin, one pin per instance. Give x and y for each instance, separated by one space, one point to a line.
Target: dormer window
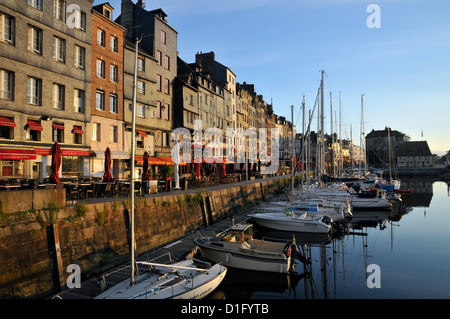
107 13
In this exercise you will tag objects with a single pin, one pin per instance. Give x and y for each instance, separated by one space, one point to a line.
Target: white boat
356 202
180 280
290 221
337 211
237 248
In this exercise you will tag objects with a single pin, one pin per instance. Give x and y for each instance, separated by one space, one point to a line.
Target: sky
402 66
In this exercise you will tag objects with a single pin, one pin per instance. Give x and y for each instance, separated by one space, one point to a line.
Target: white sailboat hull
182 284
281 221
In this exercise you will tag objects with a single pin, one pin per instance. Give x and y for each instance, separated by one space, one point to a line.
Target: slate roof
416 148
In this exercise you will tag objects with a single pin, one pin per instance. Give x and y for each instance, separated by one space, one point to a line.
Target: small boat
291 221
180 280
236 247
337 211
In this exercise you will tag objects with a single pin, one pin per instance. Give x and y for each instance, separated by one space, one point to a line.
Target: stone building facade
46 75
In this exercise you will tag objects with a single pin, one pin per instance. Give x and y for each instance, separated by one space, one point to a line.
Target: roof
416 148
384 133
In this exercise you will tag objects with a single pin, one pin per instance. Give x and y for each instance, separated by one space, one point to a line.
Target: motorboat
236 247
292 221
187 279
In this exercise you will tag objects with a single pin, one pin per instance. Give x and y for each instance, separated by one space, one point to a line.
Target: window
80 20
34 40
113 133
6 28
59 49
107 13
33 133
113 103
167 86
158 57
78 101
141 87
140 110
158 82
191 99
167 62
100 37
58 132
37 4
101 68
114 44
165 139
79 57
163 37
158 110
113 73
34 87
7 132
96 132
77 135
100 100
141 64
59 10
166 111
6 85
58 96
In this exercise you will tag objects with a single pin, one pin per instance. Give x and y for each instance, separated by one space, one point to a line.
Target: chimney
140 3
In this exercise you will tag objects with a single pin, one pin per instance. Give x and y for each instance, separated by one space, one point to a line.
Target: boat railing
199 234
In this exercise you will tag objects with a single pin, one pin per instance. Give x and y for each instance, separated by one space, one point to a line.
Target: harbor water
403 254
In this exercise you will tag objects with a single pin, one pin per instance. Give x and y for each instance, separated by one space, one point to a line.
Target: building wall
23 63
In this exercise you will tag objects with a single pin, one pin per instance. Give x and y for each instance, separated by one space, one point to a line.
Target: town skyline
400 67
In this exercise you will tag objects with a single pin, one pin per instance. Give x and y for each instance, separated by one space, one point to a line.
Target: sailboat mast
361 132
340 137
331 136
133 151
322 126
293 152
303 142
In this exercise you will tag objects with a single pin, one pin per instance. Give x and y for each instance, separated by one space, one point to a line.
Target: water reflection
339 262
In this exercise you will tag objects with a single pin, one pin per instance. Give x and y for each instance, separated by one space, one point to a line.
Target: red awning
4 121
168 160
77 130
45 151
34 126
12 154
151 160
141 133
58 126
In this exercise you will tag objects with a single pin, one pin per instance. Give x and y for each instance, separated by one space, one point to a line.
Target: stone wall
35 250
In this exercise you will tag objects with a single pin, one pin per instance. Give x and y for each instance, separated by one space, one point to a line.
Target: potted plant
166 172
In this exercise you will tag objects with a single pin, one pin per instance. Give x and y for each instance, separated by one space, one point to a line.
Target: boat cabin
238 233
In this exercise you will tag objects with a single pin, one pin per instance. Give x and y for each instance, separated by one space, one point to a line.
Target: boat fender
287 250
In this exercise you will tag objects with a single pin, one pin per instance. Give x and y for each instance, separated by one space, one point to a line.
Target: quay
42 240
174 250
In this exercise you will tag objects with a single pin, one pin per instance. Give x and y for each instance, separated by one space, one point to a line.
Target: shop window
71 166
12 168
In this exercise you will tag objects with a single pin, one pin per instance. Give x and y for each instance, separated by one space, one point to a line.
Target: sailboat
186 279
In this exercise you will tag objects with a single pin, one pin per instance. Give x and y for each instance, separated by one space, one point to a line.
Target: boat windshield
237 236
